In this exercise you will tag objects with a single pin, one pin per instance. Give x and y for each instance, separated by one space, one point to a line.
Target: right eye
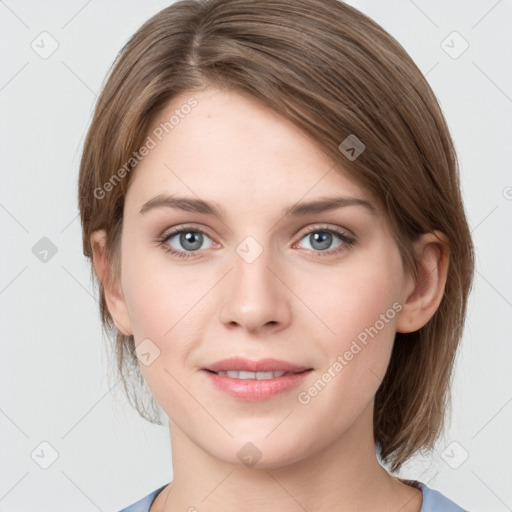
190 239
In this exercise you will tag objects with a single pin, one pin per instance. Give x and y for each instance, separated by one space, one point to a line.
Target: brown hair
333 72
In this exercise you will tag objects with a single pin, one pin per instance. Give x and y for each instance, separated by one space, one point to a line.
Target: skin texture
293 303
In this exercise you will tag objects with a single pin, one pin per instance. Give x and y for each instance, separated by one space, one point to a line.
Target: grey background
54 384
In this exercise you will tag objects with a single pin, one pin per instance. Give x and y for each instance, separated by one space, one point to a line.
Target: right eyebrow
188 204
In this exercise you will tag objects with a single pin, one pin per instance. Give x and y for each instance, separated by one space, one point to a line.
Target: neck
341 475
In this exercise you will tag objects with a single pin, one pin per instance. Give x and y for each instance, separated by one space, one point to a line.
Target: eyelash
348 241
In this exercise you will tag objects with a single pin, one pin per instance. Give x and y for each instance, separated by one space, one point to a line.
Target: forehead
229 147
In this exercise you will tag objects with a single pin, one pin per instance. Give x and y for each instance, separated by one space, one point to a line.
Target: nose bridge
252 262
256 296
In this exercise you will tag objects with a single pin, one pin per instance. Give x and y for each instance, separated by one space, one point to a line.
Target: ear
113 293
421 298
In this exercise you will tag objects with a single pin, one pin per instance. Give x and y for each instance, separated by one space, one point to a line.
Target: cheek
155 292
163 307
168 305
359 308
149 307
354 298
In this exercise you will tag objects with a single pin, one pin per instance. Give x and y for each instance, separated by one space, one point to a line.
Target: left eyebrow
190 204
329 203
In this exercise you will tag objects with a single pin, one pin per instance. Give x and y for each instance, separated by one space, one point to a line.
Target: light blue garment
433 501
143 504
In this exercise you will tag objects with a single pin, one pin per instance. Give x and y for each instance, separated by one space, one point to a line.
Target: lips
258 386
262 365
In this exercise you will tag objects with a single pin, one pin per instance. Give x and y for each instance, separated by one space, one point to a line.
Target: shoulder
143 504
434 501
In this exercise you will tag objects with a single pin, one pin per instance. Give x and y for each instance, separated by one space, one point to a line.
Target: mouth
243 368
255 381
247 386
246 375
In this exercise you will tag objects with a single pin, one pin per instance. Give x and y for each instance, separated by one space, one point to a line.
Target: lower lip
256 390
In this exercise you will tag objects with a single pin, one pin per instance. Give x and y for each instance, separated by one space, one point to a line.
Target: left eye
323 238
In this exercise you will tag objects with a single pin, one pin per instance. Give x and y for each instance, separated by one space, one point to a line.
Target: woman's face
255 283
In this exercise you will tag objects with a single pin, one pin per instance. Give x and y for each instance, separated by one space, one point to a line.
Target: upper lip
262 365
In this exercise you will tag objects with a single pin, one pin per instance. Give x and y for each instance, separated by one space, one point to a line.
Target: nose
255 295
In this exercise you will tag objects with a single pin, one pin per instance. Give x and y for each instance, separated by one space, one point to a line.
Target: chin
260 453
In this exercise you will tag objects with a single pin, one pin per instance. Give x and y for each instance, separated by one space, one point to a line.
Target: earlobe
113 293
422 297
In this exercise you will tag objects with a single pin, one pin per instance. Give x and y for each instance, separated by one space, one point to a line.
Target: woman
270 198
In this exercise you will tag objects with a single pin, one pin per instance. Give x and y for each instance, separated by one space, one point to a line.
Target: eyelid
328 227
181 227
315 227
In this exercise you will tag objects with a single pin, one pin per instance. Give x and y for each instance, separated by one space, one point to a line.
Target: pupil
190 238
324 239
